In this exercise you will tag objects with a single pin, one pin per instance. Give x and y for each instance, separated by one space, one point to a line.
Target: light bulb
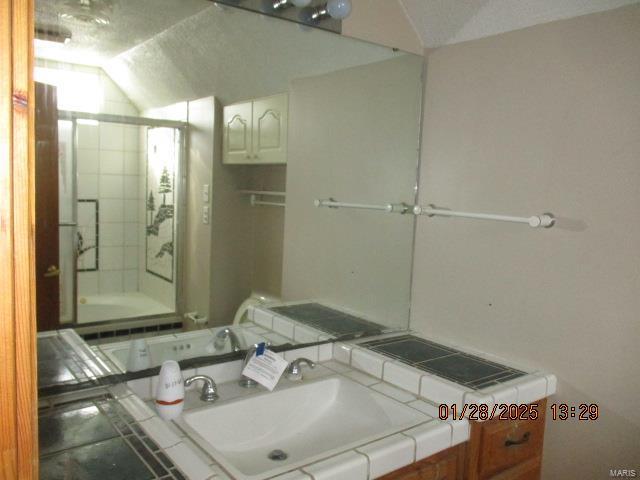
301 3
339 9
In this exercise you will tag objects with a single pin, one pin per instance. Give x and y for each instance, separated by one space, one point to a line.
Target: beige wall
240 250
267 229
197 238
231 242
218 258
542 119
354 137
383 22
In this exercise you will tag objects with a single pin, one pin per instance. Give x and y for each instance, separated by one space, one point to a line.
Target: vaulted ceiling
443 22
95 44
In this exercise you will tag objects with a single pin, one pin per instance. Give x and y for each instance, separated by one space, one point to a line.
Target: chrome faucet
209 389
221 338
247 382
294 370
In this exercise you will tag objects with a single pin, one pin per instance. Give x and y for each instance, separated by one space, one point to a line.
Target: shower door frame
179 218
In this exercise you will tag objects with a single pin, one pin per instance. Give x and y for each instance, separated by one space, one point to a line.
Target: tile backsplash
461 368
329 320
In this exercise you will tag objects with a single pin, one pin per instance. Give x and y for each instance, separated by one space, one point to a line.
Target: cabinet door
508 443
237 139
270 117
529 470
512 447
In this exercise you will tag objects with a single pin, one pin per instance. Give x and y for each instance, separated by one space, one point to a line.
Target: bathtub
103 307
180 346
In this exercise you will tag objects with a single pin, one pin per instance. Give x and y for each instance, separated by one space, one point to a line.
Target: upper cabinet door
237 133
270 117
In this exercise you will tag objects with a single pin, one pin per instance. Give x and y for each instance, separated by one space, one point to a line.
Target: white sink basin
307 422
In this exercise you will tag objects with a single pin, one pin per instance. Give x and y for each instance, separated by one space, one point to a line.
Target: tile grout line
415 445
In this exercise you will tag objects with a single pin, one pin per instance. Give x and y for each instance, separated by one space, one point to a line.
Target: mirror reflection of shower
126 220
118 177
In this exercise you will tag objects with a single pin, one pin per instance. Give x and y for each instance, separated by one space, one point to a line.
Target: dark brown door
47 238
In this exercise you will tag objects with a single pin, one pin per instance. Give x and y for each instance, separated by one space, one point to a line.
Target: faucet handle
294 371
209 389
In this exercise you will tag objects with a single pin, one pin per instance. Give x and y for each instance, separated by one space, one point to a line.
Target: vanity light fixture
87 12
338 9
282 4
50 33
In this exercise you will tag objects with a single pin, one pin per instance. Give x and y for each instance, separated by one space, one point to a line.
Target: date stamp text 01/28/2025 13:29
506 411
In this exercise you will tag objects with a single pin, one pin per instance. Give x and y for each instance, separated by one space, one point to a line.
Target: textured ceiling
160 52
132 22
443 22
232 54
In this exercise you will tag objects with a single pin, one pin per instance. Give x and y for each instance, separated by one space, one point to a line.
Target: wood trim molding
18 391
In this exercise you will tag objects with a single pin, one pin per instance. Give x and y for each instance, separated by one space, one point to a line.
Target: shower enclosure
120 181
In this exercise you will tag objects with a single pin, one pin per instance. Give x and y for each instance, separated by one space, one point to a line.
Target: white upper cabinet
270 129
237 133
255 132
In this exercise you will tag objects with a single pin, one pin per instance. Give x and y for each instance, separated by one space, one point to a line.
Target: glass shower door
67 223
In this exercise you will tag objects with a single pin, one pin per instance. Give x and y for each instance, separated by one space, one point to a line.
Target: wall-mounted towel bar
255 202
263 192
545 220
254 197
401 208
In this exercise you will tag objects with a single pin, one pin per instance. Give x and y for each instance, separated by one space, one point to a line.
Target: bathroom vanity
384 404
390 405
327 426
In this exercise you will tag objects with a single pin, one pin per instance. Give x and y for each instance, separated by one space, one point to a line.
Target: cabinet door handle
524 439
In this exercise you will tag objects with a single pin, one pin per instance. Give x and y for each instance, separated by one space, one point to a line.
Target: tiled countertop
370 460
528 387
65 359
411 386
409 381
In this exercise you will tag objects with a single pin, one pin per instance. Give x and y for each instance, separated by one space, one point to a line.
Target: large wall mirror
195 158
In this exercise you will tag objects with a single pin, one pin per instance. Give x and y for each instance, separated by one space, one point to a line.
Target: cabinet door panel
529 470
270 117
237 138
509 443
498 446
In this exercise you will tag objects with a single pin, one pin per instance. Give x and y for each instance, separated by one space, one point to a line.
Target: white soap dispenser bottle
170 391
139 356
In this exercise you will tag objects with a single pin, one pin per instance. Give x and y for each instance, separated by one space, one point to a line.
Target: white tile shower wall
105 175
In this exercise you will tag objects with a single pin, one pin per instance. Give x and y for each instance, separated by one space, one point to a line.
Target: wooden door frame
18 376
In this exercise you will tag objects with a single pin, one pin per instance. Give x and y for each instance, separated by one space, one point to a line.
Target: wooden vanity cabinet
496 450
446 465
506 449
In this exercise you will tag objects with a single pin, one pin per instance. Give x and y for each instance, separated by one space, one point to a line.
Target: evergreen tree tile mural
162 157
